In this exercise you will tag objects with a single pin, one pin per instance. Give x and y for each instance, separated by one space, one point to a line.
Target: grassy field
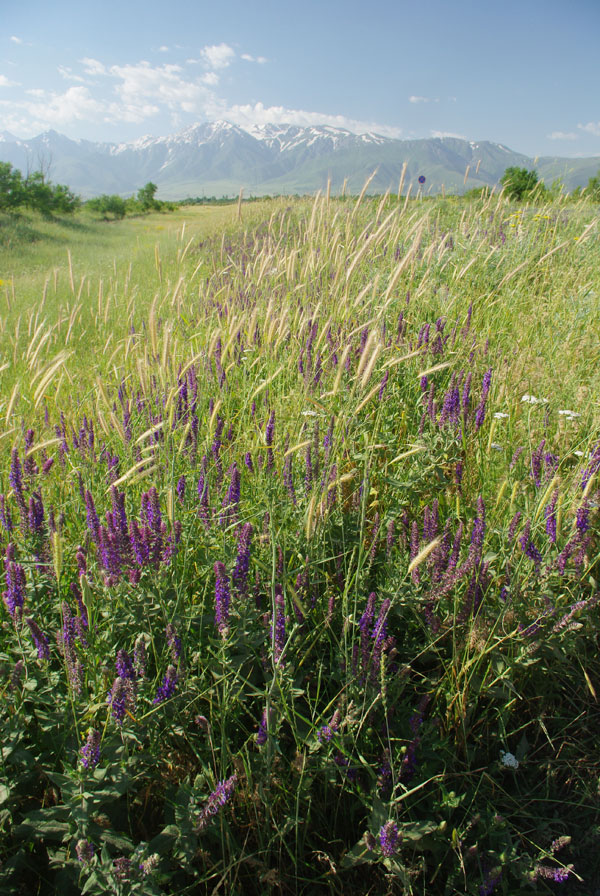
299 518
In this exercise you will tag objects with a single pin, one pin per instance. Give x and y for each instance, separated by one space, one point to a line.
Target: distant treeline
34 191
116 207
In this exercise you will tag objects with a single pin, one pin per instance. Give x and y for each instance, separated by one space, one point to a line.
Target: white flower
570 414
496 446
500 415
579 453
509 760
531 399
309 414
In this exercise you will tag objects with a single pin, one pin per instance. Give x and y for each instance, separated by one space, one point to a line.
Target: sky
524 73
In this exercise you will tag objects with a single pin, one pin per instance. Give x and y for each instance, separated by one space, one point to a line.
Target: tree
519 183
593 187
11 187
108 205
146 198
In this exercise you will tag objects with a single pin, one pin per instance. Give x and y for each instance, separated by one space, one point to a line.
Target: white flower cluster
531 399
508 760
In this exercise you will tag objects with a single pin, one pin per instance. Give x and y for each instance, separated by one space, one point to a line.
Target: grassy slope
236 305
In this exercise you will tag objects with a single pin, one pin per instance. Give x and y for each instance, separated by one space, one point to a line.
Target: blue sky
524 73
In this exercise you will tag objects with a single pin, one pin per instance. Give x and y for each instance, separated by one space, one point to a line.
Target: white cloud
423 99
442 134
218 55
592 127
143 89
562 135
65 72
76 104
248 58
247 115
163 49
211 79
4 82
92 66
16 40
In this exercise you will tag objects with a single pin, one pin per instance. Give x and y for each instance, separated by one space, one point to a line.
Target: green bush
519 183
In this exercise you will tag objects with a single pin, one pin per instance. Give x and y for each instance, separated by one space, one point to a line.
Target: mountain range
220 158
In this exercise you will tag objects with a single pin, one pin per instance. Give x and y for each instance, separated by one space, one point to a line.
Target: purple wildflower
90 751
388 839
215 802
239 575
121 699
168 686
536 463
550 514
84 850
174 642
263 730
39 639
278 632
222 598
14 596
326 732
5 517
124 666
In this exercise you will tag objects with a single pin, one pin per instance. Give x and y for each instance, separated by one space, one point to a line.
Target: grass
299 509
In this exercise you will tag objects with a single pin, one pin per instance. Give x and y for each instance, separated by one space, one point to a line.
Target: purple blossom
168 687
485 388
215 802
121 699
222 598
263 730
5 517
326 732
388 839
550 514
14 596
39 639
239 575
536 463
90 751
278 628
174 642
124 665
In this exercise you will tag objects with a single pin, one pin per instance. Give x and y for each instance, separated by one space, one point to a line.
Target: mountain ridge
220 158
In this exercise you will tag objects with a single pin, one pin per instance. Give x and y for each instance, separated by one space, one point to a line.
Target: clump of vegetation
519 183
35 192
301 558
119 207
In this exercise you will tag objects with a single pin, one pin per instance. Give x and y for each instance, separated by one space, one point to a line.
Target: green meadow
300 549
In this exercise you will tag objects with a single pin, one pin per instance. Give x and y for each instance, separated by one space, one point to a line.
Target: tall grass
299 515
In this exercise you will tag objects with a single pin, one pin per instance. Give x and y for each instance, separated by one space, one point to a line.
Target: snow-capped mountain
218 158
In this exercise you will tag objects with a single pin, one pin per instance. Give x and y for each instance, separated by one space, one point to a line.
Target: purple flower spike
279 624
242 565
90 751
218 798
222 598
263 730
168 686
388 839
39 639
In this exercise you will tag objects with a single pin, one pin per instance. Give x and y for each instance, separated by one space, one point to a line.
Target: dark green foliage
519 183
35 192
145 197
593 187
108 205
